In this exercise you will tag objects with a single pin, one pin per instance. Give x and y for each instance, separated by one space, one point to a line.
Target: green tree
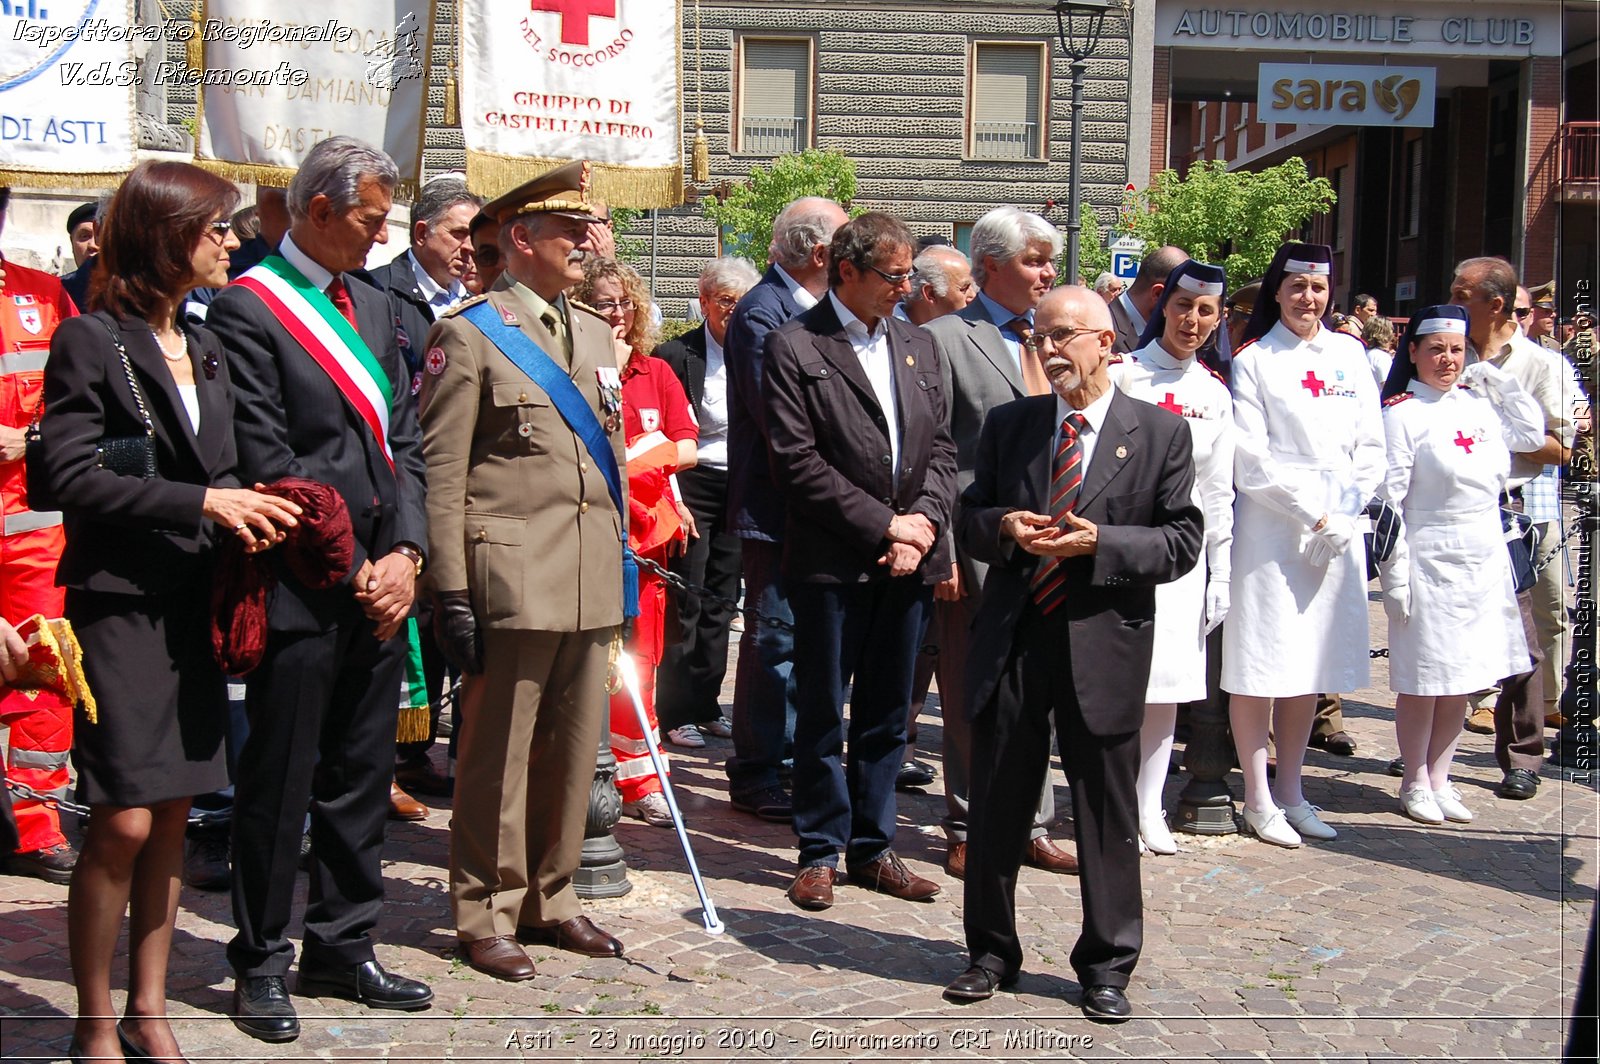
1093 257
744 212
1233 218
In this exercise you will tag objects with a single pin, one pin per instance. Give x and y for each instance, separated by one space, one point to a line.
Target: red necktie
1049 584
341 300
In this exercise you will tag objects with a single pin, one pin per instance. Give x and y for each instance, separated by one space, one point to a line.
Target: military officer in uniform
526 547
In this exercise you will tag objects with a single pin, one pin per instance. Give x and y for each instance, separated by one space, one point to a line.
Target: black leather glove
456 630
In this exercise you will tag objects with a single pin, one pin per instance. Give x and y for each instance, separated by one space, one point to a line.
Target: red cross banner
67 80
543 82
276 78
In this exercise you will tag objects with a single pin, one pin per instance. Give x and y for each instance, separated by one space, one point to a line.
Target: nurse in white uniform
1454 627
1309 454
1164 370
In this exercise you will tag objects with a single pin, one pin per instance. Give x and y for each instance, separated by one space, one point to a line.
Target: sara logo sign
1336 95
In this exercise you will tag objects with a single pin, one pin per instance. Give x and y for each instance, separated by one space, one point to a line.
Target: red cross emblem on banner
1464 441
575 16
1312 385
1171 403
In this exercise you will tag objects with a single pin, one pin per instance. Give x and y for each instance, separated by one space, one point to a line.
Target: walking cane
630 680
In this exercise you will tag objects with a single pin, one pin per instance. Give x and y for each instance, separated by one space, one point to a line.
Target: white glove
1397 603
1217 602
1331 541
1489 381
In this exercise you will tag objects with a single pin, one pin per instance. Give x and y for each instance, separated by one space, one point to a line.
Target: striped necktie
1049 584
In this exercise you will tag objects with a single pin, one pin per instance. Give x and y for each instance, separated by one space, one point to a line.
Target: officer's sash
575 410
329 338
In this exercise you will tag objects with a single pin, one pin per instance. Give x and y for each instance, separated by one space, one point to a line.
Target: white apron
1449 454
1187 388
1309 441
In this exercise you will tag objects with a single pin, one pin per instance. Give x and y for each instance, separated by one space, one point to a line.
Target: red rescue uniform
32 304
656 415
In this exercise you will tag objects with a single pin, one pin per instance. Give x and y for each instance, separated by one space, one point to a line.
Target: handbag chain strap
133 382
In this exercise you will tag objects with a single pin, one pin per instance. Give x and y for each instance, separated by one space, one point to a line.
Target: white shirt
320 278
439 299
872 349
713 449
1133 311
1540 374
190 394
801 293
1088 436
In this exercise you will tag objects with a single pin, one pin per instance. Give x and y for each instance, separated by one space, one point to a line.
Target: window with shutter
1006 80
775 104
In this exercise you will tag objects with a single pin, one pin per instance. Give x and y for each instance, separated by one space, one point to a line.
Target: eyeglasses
606 306
488 255
725 302
1522 312
219 229
893 278
1058 338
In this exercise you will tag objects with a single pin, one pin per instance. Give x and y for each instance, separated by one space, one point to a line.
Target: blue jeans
763 688
860 640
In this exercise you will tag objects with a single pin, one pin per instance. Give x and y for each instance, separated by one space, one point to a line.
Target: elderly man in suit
689 679
525 525
1080 503
321 394
855 415
984 364
763 689
1131 309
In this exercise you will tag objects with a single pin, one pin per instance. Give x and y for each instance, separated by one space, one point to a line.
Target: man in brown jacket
526 563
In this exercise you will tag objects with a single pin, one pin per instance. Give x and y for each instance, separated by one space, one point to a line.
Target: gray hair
800 227
728 274
1105 281
1003 234
334 168
931 269
438 197
1497 278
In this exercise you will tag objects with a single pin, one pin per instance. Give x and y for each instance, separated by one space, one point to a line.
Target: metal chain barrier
27 793
678 583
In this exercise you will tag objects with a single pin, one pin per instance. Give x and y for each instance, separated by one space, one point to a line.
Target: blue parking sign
1125 264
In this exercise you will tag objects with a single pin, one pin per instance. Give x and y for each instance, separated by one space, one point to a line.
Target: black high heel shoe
74 1054
131 1050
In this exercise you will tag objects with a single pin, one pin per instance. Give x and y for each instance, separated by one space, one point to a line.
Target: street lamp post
1078 27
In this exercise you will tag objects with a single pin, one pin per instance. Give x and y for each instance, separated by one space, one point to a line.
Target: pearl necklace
183 349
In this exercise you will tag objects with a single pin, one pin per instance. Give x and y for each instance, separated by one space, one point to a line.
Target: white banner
67 79
547 81
274 86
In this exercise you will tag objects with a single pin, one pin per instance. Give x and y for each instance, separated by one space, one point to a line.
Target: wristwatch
406 550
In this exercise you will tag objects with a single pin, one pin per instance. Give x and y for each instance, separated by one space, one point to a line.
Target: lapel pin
508 316
1122 452
910 361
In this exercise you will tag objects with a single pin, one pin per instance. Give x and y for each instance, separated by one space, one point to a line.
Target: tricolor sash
329 338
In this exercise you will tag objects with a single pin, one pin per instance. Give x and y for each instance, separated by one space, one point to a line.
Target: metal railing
1005 140
1580 153
767 135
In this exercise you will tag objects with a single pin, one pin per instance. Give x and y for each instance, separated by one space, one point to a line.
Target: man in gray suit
981 360
1133 307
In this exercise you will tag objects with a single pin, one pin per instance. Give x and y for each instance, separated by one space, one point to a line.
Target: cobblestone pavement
1395 942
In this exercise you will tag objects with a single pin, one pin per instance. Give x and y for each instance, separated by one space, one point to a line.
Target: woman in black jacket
137 569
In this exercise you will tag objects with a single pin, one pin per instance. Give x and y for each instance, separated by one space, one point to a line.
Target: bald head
1151 279
1076 364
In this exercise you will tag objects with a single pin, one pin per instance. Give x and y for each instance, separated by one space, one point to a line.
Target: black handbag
1522 540
129 456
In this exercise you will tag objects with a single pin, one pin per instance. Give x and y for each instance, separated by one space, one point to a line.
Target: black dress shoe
1519 785
1397 767
205 861
977 983
262 1009
913 774
366 983
1106 1004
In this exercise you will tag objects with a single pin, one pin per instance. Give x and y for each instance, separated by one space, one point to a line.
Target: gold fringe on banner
413 725
451 114
700 156
490 174
277 176
195 46
38 179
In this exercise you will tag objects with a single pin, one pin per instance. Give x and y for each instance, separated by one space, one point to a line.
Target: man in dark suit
763 692
689 679
1132 309
860 444
327 400
1080 503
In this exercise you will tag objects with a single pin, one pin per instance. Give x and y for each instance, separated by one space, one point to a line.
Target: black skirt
163 703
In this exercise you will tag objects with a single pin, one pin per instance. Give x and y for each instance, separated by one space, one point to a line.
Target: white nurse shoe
1271 827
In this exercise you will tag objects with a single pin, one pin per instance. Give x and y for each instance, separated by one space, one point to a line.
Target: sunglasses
1522 312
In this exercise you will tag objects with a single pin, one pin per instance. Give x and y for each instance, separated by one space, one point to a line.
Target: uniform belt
1303 461
31 521
22 362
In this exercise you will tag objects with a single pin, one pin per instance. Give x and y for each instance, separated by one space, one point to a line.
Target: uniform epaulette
463 305
586 307
1215 374
1399 398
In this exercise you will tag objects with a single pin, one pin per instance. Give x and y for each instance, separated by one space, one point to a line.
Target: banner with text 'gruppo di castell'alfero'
547 81
66 92
277 78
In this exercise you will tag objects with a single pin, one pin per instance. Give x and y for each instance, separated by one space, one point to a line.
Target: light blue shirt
1002 319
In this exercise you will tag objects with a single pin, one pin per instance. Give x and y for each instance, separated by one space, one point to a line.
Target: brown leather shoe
889 875
812 888
955 860
577 935
1042 853
500 957
424 779
404 807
